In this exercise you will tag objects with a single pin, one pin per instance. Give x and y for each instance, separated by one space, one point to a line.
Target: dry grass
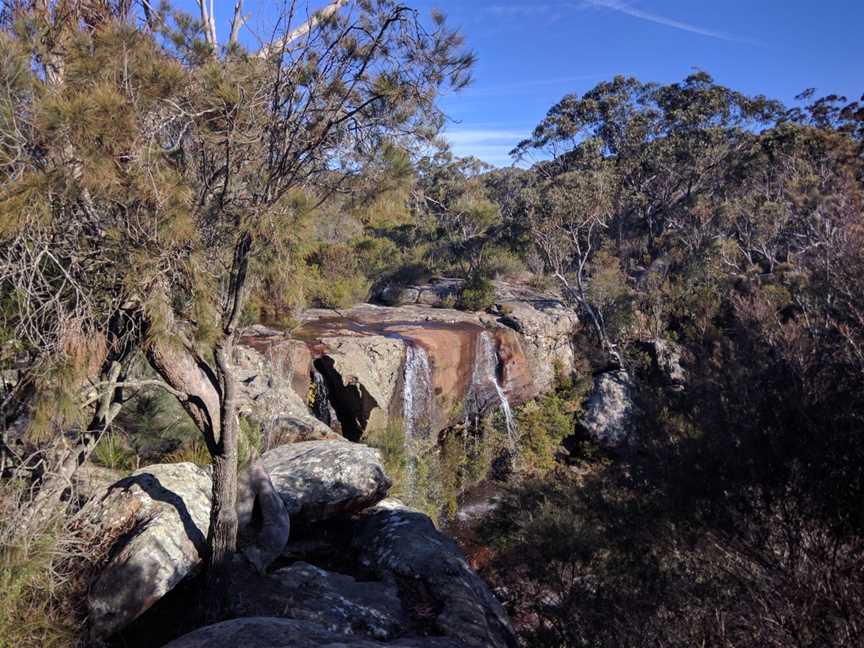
38 607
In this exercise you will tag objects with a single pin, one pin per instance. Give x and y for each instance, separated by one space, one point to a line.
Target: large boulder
319 479
610 412
403 546
439 292
152 528
336 602
268 632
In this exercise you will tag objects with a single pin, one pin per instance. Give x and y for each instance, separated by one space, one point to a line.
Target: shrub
37 591
390 441
478 293
113 451
501 262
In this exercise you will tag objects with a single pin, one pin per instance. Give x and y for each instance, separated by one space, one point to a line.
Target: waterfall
321 402
417 393
485 375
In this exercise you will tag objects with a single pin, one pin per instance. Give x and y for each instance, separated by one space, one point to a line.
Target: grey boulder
152 527
320 479
336 602
403 546
268 632
610 412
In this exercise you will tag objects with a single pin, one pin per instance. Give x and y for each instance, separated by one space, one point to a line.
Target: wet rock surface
273 376
368 348
153 527
319 479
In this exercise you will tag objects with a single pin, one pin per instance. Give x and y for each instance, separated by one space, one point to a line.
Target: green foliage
545 422
192 451
250 441
431 474
34 589
477 294
391 442
114 451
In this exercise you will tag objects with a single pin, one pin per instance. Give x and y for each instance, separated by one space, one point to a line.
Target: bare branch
282 44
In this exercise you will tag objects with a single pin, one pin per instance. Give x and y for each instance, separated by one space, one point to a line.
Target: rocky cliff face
424 366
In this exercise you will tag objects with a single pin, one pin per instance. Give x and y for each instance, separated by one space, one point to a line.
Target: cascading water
417 393
320 401
416 405
485 375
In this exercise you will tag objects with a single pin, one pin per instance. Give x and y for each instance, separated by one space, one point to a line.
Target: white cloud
629 10
620 6
491 145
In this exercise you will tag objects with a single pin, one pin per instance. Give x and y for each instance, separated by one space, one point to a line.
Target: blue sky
533 53
530 54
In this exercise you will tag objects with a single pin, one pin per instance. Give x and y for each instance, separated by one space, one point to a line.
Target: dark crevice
352 403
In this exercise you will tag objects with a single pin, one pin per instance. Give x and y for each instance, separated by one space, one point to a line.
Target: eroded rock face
319 479
367 349
362 374
268 632
154 526
545 327
273 375
439 292
610 413
402 545
336 602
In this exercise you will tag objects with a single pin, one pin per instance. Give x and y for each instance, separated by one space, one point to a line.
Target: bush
598 560
113 451
37 591
501 262
478 294
390 441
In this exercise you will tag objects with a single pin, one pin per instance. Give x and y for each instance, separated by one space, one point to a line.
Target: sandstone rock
268 632
319 479
439 292
153 526
403 545
273 374
546 329
364 352
336 602
91 480
666 356
610 413
362 374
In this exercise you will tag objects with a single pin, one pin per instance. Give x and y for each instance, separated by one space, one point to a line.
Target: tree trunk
222 537
211 401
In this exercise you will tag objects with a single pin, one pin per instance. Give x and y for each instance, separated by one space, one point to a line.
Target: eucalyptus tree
151 176
451 191
623 168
